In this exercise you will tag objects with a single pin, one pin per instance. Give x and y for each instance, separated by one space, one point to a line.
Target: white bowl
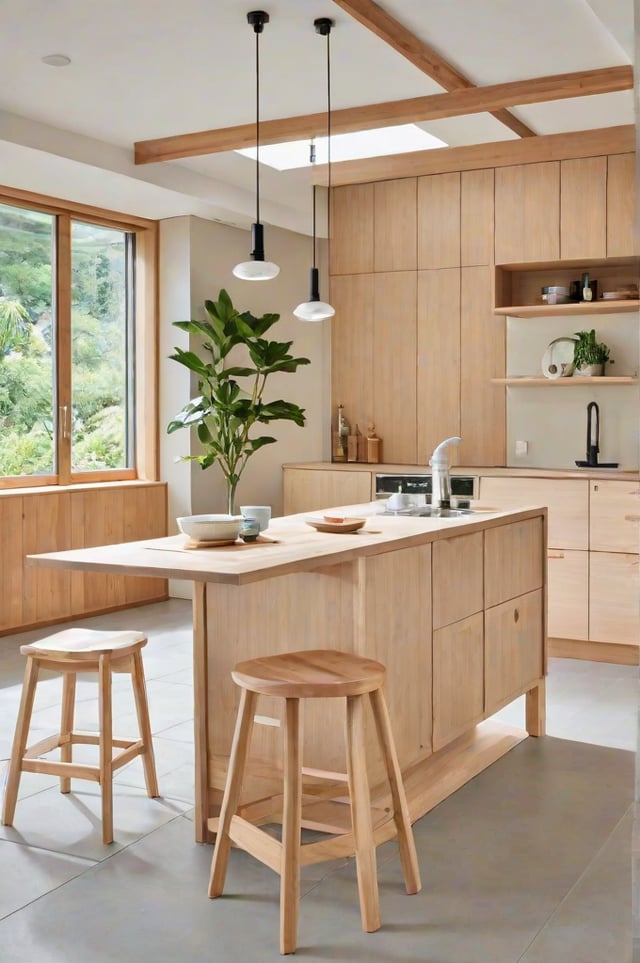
204 528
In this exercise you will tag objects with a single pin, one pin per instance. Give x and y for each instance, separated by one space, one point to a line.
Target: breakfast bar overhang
455 608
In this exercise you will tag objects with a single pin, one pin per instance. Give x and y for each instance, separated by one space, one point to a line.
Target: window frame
145 339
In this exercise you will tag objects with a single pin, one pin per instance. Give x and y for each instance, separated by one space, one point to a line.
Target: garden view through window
66 323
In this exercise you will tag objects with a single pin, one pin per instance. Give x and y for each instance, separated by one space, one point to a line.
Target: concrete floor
529 862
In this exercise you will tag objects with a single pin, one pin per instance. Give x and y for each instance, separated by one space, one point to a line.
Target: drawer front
306 490
514 560
567 501
458 687
614 594
568 594
513 649
457 578
614 516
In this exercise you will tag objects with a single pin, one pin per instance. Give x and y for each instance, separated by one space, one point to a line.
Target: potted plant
589 355
224 413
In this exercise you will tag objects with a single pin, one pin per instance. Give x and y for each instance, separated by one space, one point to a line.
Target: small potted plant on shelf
589 355
224 413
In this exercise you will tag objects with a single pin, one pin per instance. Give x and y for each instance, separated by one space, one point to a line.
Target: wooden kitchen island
455 608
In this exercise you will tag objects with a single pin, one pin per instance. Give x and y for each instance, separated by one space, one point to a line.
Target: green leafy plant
588 350
224 413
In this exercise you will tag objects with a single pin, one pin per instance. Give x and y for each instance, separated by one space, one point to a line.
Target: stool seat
316 673
69 652
312 674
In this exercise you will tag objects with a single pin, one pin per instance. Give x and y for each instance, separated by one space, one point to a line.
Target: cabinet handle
632 518
554 553
516 615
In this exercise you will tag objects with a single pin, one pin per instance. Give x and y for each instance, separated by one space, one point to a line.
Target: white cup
262 514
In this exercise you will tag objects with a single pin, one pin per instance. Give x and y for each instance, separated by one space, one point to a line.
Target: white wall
197 257
553 420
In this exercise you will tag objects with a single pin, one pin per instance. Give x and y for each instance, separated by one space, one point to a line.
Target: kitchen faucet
441 480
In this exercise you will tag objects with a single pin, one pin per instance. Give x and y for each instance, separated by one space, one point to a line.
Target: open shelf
579 307
518 287
531 381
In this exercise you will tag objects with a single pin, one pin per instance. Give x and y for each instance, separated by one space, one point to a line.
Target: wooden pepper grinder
373 445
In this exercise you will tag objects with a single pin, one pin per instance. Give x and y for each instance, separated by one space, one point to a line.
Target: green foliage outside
27 379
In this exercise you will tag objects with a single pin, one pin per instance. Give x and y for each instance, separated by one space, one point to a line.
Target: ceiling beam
425 58
469 100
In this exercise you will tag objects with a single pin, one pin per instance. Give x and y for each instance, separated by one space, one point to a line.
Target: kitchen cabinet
527 213
514 561
614 590
352 347
476 217
438 359
394 364
394 222
568 598
482 357
517 288
614 516
458 678
351 250
11 561
583 208
306 490
622 232
567 500
439 221
456 562
46 528
510 650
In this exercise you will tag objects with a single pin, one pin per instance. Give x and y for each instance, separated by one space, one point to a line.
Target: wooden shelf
527 381
581 307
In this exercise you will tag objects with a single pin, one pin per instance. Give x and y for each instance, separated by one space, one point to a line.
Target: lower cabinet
458 678
306 490
568 594
614 597
513 648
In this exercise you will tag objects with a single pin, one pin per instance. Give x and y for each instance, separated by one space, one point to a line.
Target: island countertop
289 546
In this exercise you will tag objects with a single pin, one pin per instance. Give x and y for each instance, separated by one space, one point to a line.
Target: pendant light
314 309
257 269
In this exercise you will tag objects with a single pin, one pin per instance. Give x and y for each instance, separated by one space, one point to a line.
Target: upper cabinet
394 225
352 229
622 233
439 221
527 213
476 217
583 208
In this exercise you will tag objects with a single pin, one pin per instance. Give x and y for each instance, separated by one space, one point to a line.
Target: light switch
522 447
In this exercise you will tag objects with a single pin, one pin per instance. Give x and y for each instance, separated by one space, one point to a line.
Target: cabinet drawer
458 688
566 499
614 585
513 649
514 561
568 594
306 490
457 578
614 516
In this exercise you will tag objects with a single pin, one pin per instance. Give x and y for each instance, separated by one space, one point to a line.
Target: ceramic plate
557 361
345 526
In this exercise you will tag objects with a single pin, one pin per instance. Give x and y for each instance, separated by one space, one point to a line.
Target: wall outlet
522 447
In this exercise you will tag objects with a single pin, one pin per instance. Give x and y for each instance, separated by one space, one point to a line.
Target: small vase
590 371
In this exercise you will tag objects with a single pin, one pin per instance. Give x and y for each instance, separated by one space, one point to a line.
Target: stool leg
66 724
106 747
144 725
291 819
20 740
361 815
233 788
408 855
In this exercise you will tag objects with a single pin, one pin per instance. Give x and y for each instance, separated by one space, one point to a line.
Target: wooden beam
469 100
547 147
425 58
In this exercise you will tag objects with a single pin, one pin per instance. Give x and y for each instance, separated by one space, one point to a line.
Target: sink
427 511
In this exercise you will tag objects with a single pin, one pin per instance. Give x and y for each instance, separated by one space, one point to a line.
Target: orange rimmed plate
344 526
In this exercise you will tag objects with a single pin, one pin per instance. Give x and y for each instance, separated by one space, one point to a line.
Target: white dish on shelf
557 361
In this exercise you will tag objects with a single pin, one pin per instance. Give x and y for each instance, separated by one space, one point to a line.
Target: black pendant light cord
257 124
328 140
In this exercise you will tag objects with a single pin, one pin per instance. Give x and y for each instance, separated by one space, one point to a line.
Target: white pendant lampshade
257 269
314 309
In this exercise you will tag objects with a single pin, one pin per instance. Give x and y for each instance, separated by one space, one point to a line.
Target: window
73 313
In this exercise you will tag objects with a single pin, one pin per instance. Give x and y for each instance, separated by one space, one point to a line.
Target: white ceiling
142 70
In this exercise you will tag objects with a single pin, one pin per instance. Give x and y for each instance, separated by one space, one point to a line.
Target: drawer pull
632 518
516 616
551 553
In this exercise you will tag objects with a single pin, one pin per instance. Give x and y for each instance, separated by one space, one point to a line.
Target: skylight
363 143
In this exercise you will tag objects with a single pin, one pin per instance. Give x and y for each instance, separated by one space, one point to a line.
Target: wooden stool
72 651
314 674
